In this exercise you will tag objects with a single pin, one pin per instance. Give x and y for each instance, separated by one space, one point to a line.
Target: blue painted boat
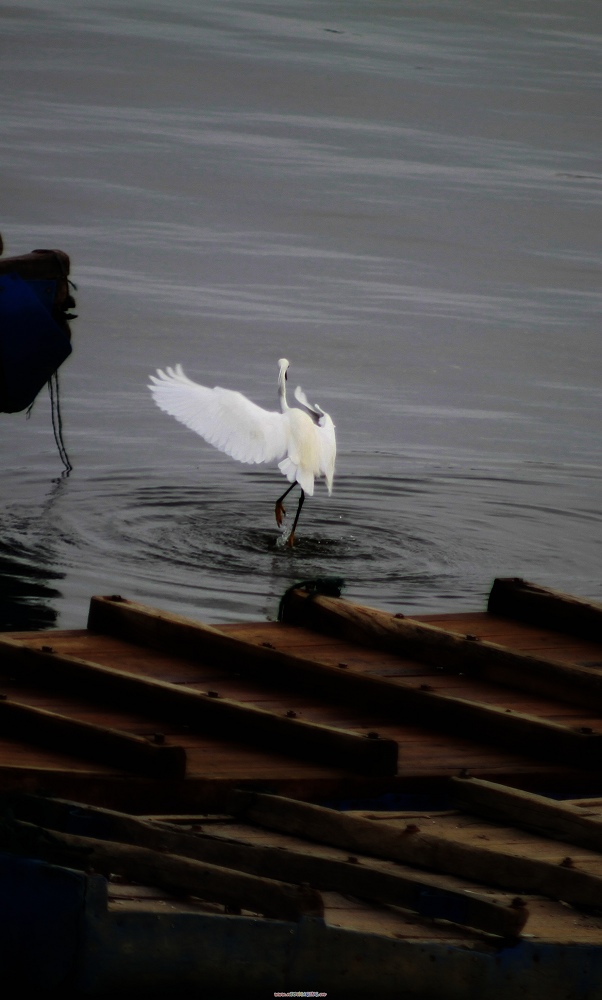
34 332
62 935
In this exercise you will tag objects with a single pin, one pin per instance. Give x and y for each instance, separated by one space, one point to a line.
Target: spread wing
226 419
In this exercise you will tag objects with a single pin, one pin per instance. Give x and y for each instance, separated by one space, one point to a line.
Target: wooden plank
242 723
172 872
123 655
506 632
391 696
522 637
246 689
424 894
471 830
528 602
447 650
164 631
74 736
412 846
529 811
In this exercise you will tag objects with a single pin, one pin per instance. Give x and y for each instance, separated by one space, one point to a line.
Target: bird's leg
291 537
280 511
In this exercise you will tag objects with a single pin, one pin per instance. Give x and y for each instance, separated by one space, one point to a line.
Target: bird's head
283 366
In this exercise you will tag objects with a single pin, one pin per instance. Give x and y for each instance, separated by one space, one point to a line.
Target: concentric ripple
213 550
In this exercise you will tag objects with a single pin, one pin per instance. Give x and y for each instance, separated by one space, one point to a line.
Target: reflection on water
27 601
27 598
406 206
29 555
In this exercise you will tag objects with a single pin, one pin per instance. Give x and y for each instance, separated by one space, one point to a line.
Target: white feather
224 418
300 438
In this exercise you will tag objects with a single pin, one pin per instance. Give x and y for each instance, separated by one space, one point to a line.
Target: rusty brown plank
536 605
423 893
178 874
86 739
391 696
220 716
521 637
412 846
527 810
447 650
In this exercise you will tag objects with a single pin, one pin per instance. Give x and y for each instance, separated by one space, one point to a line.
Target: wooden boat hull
346 802
60 937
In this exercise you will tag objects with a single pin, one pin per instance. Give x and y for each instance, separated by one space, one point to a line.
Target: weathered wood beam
528 602
526 810
391 696
171 872
175 634
366 754
85 739
411 846
425 894
445 650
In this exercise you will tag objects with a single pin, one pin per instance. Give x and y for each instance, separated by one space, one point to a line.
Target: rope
329 586
57 422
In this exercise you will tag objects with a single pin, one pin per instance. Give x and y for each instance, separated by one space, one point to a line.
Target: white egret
300 438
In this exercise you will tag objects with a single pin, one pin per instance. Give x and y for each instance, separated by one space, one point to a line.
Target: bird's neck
282 393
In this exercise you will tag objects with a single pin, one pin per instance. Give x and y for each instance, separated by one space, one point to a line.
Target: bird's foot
280 512
291 540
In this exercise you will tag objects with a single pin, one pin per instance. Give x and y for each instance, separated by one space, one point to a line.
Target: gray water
403 198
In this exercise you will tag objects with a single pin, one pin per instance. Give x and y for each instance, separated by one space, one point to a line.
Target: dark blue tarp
41 912
32 344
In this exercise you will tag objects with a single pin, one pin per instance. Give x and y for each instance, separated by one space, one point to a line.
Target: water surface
403 198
